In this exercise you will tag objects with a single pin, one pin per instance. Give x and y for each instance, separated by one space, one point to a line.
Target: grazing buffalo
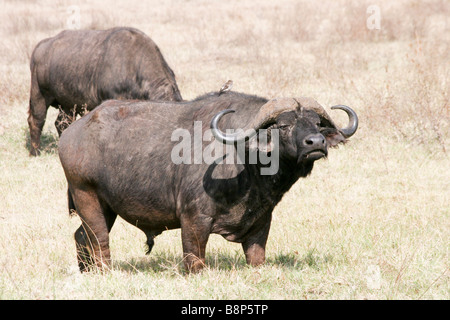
122 159
76 70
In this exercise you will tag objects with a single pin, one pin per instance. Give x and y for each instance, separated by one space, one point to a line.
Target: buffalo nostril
314 140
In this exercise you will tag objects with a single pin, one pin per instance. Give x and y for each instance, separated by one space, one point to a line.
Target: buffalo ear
333 136
262 141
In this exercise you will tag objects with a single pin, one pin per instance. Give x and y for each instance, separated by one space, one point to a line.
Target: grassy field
371 222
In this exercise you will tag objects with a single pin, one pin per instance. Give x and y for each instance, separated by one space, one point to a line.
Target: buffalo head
306 131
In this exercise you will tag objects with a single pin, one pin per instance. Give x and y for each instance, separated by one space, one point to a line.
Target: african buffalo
118 160
77 70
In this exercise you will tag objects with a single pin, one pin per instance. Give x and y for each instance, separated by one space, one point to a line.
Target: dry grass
380 202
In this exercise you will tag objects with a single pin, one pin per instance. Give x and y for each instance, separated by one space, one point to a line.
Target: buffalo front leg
194 236
255 245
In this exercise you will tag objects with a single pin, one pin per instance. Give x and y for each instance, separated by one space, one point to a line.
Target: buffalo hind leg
36 121
85 260
92 237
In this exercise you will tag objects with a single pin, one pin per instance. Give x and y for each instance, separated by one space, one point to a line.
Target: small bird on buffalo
226 87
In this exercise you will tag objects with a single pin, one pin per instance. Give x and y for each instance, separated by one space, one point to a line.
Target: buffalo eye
284 126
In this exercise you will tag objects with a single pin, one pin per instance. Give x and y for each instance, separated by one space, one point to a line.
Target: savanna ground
371 222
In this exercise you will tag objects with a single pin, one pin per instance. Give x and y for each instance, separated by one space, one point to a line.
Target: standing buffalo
119 160
77 70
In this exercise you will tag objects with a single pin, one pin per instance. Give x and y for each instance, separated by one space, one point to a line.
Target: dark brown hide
76 70
117 160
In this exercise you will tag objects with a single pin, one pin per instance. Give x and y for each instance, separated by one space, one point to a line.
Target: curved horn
266 115
312 104
352 123
222 137
271 110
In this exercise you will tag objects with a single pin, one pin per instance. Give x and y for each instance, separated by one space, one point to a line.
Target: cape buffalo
118 160
77 70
